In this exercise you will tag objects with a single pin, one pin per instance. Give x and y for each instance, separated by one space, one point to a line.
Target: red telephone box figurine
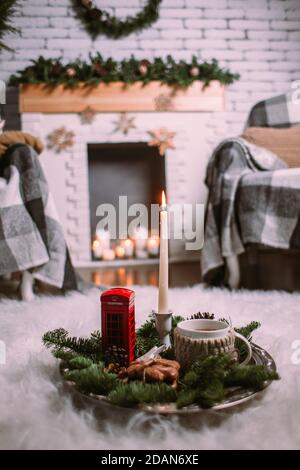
118 323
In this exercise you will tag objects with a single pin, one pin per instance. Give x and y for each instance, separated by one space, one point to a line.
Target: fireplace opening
127 169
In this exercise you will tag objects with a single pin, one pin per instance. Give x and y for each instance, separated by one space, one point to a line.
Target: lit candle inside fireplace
128 248
120 251
97 249
153 246
163 259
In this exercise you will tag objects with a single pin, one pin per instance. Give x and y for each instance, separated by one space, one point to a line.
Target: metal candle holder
163 323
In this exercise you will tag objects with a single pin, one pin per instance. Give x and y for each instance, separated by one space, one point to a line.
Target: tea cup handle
249 355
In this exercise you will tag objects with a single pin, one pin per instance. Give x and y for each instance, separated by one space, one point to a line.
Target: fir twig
133 393
7 9
253 376
101 22
60 340
93 379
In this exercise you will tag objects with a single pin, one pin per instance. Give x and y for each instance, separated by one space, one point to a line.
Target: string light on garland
97 21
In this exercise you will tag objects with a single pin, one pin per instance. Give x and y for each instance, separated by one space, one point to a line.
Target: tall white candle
163 259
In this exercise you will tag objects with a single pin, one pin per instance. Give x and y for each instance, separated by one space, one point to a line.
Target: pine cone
202 316
114 368
116 355
56 69
99 69
95 13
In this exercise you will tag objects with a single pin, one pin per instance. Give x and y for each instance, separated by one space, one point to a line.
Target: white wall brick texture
258 38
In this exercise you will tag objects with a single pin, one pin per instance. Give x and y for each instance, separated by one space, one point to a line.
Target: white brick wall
258 38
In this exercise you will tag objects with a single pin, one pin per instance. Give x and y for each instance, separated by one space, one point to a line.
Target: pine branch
7 9
205 383
133 393
60 340
247 330
93 379
252 376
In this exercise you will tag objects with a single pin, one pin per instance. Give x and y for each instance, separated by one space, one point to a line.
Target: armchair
254 190
31 237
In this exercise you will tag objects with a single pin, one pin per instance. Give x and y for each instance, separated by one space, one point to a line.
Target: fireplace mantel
119 97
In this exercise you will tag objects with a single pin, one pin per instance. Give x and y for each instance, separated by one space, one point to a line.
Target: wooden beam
118 97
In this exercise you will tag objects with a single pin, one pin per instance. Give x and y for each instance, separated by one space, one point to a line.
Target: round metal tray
234 396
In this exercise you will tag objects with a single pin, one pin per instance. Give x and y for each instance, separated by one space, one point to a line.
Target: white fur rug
34 414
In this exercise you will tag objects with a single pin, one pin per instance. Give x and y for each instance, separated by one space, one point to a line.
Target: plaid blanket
31 237
280 111
248 202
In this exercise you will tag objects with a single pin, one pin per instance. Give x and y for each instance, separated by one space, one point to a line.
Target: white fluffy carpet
35 414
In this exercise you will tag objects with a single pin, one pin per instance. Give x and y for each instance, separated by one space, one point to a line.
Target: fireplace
131 169
181 171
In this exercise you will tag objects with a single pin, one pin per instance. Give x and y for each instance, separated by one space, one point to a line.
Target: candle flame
163 199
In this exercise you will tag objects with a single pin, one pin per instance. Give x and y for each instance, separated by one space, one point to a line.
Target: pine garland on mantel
99 70
7 9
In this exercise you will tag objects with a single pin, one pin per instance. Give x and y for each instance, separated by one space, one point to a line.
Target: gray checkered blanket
253 198
279 111
31 237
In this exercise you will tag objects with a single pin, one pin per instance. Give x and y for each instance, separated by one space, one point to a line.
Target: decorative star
162 138
88 115
124 123
60 139
163 102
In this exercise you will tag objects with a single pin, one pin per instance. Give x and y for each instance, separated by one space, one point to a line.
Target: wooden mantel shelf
117 97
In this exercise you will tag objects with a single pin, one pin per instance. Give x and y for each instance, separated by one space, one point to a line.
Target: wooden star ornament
163 102
60 139
162 138
87 116
124 124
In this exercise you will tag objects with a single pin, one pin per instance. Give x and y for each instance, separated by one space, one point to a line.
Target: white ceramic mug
196 335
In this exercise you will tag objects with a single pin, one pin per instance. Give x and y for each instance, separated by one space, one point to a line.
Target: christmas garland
98 21
7 9
204 384
99 70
